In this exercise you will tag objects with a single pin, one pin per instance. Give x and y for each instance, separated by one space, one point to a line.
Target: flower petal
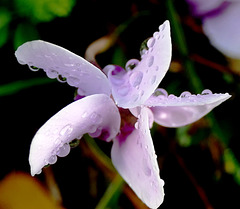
172 111
204 7
223 30
60 63
133 87
136 161
96 114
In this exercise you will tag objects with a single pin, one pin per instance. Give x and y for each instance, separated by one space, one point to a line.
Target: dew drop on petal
206 92
150 61
74 143
61 79
66 130
33 68
73 81
151 42
153 79
131 64
146 169
160 92
52 159
185 94
136 78
51 73
64 150
96 118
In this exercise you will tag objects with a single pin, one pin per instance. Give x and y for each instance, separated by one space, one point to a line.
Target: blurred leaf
184 139
5 19
231 164
44 10
21 191
14 87
21 36
119 57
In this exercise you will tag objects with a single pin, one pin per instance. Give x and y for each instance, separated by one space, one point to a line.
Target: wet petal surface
173 111
136 161
223 30
64 65
96 114
133 87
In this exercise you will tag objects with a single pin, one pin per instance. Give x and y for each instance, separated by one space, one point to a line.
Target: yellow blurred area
21 191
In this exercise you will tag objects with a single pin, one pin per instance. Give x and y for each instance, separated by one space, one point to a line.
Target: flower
119 107
220 23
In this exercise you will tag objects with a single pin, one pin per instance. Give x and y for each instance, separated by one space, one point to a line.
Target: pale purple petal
96 114
60 63
223 30
132 88
172 111
203 7
135 159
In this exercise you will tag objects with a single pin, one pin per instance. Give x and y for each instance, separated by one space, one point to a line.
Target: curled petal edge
96 114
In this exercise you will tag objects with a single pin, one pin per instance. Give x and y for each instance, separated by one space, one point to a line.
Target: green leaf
15 87
5 19
21 36
44 10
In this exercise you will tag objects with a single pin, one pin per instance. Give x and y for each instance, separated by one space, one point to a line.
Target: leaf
5 19
15 87
21 36
21 191
44 10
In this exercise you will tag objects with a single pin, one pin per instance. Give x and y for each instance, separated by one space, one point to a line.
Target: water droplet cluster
161 97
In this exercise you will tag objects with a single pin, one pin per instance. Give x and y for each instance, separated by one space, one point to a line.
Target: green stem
112 193
180 40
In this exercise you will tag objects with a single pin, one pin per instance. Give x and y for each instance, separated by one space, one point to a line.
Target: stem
180 40
112 193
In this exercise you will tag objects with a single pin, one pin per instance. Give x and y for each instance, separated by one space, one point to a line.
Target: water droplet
123 91
206 92
97 133
96 118
162 27
69 64
136 125
21 62
185 94
144 47
146 169
131 64
136 78
153 79
61 79
156 35
33 68
52 159
51 73
73 81
150 61
160 92
64 150
66 130
151 42
74 143
172 97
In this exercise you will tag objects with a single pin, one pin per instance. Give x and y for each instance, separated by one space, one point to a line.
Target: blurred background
199 163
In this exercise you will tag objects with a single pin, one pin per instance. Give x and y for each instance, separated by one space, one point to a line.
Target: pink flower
220 23
119 107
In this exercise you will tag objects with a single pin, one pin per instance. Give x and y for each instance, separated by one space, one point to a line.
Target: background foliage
199 163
